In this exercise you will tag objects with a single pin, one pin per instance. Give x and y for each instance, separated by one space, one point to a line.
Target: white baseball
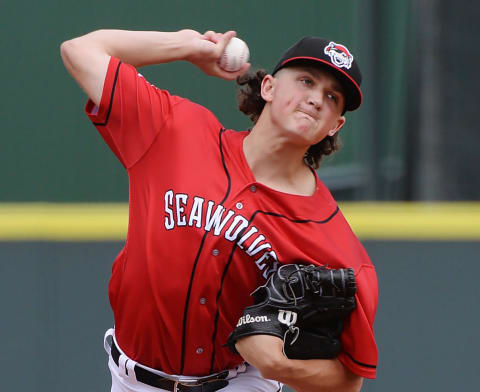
235 55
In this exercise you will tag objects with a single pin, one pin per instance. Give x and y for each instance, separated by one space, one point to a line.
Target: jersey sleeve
131 113
359 350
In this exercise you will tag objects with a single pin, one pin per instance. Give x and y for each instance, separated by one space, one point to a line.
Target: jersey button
199 350
239 206
203 300
253 188
215 252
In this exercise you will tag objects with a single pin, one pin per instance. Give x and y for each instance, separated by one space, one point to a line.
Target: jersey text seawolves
231 225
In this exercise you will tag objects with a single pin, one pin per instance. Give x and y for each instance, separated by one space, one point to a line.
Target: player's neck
277 164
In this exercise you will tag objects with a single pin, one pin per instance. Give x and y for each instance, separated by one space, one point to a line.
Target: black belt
203 384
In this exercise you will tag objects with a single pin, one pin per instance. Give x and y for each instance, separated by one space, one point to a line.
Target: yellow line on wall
109 221
414 221
63 222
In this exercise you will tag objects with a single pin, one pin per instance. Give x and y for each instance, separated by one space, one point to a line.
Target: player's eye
307 81
333 97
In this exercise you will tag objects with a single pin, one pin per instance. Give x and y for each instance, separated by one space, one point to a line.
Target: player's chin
311 132
301 130
310 139
307 131
307 126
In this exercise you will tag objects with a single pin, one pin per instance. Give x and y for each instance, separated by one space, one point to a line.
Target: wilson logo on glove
287 317
247 319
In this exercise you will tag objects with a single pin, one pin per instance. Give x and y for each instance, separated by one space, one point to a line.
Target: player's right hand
206 49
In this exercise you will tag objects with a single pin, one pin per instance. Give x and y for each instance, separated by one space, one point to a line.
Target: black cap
336 57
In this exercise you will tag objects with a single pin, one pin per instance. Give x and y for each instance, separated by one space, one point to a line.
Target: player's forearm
317 375
138 48
87 57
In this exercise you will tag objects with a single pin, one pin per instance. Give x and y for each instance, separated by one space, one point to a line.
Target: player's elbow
355 383
65 49
69 51
78 52
352 385
309 376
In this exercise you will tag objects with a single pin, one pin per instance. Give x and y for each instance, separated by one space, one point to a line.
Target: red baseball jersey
203 234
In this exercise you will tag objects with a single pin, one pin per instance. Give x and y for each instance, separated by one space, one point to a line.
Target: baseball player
214 212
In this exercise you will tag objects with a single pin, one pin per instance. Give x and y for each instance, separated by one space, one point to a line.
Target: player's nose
315 99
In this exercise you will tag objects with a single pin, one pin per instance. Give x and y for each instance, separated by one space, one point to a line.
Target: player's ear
337 126
267 87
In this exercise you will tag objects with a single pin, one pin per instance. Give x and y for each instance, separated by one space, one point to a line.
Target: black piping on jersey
234 247
360 363
295 220
111 97
187 301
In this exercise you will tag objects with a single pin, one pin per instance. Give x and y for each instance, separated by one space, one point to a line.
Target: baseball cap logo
339 55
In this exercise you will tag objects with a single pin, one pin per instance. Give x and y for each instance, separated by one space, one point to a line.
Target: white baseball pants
241 379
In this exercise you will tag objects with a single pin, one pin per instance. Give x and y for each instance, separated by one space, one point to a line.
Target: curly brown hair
251 103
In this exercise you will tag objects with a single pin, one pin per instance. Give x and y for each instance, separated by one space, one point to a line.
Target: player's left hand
305 306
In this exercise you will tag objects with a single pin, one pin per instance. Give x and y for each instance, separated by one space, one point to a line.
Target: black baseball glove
305 305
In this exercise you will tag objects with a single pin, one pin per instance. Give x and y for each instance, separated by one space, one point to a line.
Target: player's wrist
189 45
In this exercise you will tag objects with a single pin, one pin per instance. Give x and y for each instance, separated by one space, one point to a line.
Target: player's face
306 103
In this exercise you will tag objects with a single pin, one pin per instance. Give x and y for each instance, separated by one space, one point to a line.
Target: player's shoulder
184 103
